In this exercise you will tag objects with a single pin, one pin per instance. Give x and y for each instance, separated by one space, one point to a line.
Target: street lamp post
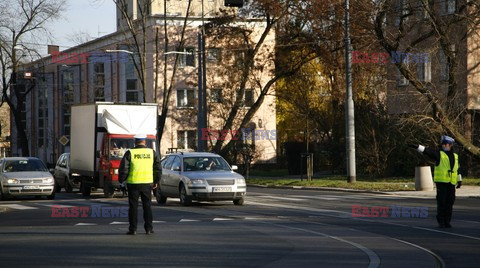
349 108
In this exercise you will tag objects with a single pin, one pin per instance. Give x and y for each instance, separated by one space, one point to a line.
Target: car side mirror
234 167
176 169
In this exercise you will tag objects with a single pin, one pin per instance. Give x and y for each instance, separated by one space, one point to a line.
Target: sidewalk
464 191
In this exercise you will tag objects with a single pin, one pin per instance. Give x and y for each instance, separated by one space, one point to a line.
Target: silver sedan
25 176
199 176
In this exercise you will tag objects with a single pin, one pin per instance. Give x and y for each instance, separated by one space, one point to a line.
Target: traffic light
234 3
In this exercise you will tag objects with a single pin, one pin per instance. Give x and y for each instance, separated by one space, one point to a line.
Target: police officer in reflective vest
445 176
140 168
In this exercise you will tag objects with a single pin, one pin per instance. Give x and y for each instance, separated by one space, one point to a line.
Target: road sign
64 140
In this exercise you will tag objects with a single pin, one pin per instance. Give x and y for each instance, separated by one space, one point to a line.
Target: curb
395 193
318 188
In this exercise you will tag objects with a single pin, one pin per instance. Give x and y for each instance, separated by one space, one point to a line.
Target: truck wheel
85 188
68 186
108 190
184 199
160 198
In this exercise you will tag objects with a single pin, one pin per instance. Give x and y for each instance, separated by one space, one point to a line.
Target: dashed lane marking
222 219
17 206
119 222
187 220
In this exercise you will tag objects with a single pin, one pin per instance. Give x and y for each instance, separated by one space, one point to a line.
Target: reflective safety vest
141 166
442 172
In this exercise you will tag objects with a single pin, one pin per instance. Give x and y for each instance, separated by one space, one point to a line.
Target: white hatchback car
199 176
25 176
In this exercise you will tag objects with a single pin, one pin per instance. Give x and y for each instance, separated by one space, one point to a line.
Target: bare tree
136 33
251 57
448 32
21 23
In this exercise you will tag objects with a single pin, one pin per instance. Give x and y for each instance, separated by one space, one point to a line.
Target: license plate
222 189
30 187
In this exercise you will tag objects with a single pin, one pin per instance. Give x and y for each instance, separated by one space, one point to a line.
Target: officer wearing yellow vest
446 177
140 168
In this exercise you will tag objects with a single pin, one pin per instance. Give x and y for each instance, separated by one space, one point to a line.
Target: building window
187 139
132 90
448 6
99 81
216 95
214 55
423 6
185 98
402 12
424 71
187 59
443 62
247 100
402 80
42 114
68 99
240 59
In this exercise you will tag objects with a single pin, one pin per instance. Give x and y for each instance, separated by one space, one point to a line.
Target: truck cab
113 149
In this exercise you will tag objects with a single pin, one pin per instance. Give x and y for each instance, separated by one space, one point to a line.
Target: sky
95 17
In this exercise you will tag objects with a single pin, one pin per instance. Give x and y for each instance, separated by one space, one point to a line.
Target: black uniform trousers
145 192
445 200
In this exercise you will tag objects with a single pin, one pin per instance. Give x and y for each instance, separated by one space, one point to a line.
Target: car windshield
204 164
118 146
24 165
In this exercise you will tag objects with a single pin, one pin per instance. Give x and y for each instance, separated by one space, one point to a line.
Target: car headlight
13 181
47 180
240 181
197 181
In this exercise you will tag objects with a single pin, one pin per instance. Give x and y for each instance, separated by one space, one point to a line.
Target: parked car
25 176
201 177
63 177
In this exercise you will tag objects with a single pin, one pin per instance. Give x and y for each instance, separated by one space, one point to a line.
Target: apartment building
104 70
429 53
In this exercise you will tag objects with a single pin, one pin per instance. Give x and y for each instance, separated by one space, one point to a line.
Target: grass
471 181
278 178
392 184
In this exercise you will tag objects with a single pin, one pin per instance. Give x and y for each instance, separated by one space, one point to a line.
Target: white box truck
100 135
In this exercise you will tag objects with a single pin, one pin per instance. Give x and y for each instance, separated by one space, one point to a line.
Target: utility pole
202 88
349 106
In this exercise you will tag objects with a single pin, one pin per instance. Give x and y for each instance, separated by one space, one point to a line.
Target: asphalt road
275 228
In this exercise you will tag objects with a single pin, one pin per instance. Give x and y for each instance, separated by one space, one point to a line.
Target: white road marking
119 222
439 260
187 220
281 198
222 219
157 221
372 256
54 205
17 206
348 215
454 234
84 224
